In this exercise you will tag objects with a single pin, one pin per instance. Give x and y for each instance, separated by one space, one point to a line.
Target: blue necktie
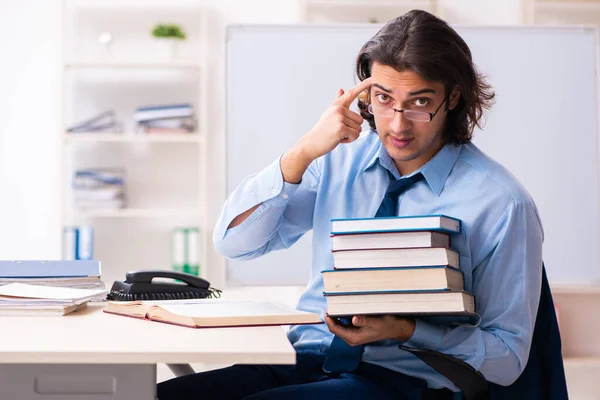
342 357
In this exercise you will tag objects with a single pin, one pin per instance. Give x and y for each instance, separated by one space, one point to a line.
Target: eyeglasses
419 116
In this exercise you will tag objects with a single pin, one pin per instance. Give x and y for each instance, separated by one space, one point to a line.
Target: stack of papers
24 299
81 274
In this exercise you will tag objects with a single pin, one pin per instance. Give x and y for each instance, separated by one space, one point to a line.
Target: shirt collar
435 171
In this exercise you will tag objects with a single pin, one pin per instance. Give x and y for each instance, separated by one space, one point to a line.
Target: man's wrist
406 328
294 163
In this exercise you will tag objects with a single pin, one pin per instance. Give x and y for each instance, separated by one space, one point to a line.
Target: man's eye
382 98
421 102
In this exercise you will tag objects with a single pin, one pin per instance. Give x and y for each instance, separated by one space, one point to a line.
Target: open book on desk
213 313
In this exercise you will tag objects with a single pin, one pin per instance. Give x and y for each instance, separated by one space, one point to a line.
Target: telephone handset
138 285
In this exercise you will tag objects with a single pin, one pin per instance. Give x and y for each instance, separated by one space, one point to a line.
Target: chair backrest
543 377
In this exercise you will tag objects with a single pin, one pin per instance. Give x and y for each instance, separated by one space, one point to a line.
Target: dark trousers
305 380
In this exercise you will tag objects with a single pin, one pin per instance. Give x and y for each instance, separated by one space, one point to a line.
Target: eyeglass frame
370 108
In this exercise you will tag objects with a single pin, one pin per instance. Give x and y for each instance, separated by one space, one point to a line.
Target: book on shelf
213 313
389 240
437 222
182 125
25 299
392 279
164 111
101 188
103 122
410 257
453 306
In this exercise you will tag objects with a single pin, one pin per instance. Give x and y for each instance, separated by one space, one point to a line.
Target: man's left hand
367 329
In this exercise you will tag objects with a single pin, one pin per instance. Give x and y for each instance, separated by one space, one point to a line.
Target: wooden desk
94 350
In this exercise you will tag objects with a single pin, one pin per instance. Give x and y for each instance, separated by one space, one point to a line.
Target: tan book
459 306
382 258
392 279
213 313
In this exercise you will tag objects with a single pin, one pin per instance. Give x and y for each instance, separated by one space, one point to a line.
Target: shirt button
285 196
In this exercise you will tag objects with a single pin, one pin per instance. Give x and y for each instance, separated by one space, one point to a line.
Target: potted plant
168 36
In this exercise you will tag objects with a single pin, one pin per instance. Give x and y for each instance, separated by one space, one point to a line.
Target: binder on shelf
69 243
185 250
85 243
178 249
78 243
193 262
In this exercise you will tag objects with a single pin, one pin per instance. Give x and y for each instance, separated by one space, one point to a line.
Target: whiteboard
543 127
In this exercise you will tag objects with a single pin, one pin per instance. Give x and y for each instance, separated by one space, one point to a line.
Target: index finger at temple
348 97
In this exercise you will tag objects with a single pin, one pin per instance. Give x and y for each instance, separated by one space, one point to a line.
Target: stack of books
166 118
99 189
77 274
397 265
26 299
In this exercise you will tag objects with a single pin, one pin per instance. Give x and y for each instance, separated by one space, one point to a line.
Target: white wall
489 12
29 121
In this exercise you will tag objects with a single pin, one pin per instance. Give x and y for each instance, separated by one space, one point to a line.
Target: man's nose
399 123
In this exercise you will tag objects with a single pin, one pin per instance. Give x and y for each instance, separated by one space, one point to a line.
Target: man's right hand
338 124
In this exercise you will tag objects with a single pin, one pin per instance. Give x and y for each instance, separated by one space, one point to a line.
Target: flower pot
166 48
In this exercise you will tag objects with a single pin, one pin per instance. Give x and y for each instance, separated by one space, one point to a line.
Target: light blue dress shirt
500 246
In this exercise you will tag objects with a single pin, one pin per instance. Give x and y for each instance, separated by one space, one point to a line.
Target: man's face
409 143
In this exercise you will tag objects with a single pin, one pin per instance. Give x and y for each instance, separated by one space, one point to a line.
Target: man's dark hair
427 45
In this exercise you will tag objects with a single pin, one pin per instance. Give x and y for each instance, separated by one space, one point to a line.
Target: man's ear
453 98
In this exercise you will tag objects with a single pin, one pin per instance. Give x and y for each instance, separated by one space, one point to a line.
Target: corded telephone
138 285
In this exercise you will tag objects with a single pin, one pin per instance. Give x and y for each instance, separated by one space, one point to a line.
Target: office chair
542 378
181 369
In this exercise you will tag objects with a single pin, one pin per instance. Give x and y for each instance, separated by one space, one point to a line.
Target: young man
422 98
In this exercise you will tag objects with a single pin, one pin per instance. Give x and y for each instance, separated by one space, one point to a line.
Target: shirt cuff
283 197
426 336
278 193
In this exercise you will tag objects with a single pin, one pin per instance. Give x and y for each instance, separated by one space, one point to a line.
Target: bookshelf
166 173
361 11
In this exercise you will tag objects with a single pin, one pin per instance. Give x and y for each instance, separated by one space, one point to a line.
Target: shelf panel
369 3
566 6
581 362
575 290
137 213
133 138
134 64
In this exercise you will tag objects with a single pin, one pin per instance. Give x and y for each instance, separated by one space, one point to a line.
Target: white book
393 224
22 293
381 258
